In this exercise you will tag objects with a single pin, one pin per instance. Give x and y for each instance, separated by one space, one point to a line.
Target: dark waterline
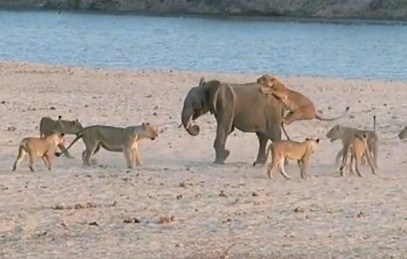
285 46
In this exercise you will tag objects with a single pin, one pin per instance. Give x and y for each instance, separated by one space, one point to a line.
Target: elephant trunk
186 119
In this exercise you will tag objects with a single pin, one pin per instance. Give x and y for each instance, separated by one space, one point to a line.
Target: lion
358 147
346 133
300 107
403 133
114 139
289 149
48 125
39 147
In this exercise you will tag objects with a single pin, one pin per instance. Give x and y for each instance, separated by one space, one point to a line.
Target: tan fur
346 134
403 133
115 139
49 125
300 106
293 150
358 147
39 148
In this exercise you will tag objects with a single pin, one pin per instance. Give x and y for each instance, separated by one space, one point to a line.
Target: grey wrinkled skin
240 106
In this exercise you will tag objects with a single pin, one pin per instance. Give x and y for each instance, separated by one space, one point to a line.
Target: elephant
240 106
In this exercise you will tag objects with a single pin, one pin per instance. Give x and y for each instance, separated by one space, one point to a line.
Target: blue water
375 51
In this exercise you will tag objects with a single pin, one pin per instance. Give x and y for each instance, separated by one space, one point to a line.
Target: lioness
114 139
300 107
358 147
345 134
39 147
403 133
48 125
293 150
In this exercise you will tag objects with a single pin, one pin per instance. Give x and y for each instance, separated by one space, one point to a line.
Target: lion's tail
334 118
78 136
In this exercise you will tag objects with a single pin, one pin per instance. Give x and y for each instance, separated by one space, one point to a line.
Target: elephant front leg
219 144
261 154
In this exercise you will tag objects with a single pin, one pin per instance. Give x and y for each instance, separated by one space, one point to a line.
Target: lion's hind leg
270 168
303 113
281 168
338 156
32 160
20 156
90 150
370 161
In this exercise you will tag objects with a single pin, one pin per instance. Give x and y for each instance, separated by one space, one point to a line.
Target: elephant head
196 104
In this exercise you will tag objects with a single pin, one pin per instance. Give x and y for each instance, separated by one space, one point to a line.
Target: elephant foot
221 157
259 162
219 162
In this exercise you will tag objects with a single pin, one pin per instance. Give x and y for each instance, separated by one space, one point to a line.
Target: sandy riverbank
321 216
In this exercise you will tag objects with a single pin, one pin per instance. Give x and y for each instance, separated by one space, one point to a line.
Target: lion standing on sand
115 139
292 150
39 148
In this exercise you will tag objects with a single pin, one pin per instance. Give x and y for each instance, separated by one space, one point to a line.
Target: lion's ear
306 139
59 117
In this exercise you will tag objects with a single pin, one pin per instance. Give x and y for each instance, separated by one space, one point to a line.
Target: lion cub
39 147
358 147
292 150
300 106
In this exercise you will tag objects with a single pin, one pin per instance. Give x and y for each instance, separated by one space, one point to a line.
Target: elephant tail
226 97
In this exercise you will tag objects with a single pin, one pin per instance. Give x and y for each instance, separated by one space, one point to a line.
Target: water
375 51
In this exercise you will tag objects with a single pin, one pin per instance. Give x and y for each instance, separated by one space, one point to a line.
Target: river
348 50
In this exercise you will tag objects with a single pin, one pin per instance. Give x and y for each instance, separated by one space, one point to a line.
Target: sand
111 212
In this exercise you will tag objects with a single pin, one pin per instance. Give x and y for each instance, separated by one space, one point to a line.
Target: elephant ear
202 81
210 92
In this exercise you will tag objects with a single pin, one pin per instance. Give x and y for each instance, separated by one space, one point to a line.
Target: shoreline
346 20
195 72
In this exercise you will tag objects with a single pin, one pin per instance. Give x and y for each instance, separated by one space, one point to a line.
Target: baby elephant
292 150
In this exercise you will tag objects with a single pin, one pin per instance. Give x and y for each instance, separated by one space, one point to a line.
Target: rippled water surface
187 43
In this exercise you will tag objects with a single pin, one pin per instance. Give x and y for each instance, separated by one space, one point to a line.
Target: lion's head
149 130
271 82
